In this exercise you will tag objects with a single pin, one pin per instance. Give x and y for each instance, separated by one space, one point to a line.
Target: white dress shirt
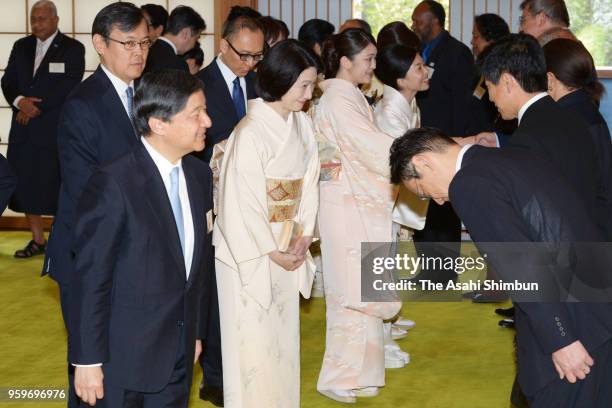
229 76
43 46
120 86
164 39
460 157
165 167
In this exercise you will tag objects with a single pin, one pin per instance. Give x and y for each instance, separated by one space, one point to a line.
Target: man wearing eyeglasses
95 127
545 20
228 84
182 32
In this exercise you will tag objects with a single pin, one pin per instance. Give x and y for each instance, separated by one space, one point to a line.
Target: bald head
43 19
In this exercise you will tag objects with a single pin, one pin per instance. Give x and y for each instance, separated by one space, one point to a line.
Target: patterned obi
283 198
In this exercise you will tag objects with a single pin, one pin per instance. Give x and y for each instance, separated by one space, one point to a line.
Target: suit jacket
94 129
129 297
581 103
51 87
516 196
562 138
445 105
220 106
8 182
161 56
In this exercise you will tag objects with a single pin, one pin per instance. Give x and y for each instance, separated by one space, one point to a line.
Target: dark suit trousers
210 360
441 225
174 395
592 392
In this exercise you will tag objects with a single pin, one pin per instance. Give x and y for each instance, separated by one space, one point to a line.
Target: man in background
545 20
42 70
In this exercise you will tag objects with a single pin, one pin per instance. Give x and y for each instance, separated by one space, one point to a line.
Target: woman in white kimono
267 206
356 204
402 71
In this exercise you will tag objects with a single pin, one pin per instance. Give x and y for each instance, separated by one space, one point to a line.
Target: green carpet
460 357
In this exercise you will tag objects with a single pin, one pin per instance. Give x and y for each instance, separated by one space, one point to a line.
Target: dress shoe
404 324
489 297
212 394
397 333
509 312
366 392
30 250
507 323
346 396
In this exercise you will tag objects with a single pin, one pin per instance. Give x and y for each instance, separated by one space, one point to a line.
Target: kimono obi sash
283 198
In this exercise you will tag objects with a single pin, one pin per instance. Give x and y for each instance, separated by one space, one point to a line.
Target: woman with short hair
267 206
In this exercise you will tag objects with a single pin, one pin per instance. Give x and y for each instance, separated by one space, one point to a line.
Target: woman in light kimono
402 71
356 204
267 206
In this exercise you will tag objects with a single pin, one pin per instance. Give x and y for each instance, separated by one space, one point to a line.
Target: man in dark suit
228 79
513 196
42 70
228 84
8 181
95 125
181 34
143 249
444 106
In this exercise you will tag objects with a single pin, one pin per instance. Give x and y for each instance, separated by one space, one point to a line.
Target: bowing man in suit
95 127
228 80
142 242
42 70
507 195
182 31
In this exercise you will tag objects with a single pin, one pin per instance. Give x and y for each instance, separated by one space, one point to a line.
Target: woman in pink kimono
356 204
268 199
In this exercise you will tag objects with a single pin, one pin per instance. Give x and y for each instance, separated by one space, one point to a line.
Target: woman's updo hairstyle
392 63
346 44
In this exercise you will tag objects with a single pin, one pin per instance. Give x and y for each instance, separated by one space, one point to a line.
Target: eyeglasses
420 194
131 45
246 57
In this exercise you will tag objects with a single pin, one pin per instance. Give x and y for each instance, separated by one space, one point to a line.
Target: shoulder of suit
90 90
70 42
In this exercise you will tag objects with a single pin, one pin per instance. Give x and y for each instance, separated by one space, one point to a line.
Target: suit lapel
115 106
157 197
220 90
31 54
51 51
194 190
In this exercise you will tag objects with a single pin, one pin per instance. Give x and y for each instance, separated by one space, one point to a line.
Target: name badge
479 92
209 221
57 67
430 71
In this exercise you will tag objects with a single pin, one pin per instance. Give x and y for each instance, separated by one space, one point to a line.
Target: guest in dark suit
8 181
571 83
142 242
182 33
42 70
444 106
157 18
95 125
510 195
228 84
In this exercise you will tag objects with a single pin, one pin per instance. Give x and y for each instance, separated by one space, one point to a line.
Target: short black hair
521 56
392 63
162 94
491 26
242 11
437 10
272 29
240 22
196 53
397 32
315 31
157 13
123 16
413 142
346 44
185 17
281 67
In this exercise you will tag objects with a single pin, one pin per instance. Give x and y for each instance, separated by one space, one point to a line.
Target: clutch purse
291 231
